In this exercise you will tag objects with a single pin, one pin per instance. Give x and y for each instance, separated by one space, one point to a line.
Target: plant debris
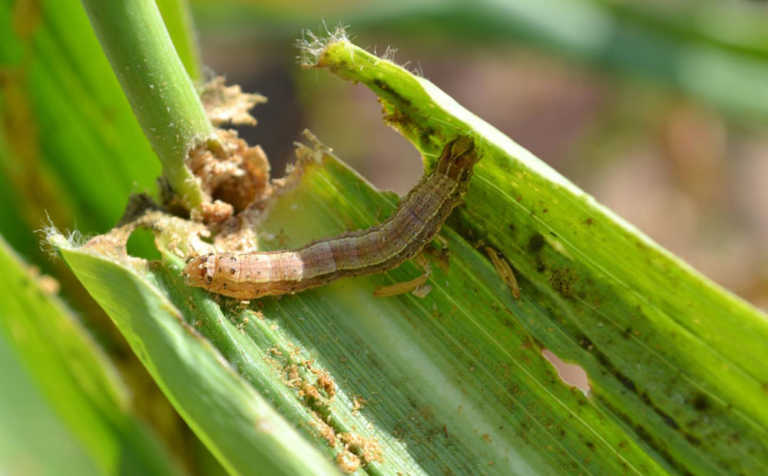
228 104
232 175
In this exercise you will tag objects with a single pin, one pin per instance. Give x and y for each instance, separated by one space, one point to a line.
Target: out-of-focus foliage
70 147
66 375
39 443
712 51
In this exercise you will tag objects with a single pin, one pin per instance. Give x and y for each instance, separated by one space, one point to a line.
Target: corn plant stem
161 94
178 22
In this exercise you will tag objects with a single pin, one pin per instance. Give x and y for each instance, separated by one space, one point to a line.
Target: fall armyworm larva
418 218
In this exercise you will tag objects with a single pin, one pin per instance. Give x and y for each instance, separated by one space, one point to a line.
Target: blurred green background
658 109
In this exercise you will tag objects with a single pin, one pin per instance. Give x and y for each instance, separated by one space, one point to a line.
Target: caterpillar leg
440 242
417 286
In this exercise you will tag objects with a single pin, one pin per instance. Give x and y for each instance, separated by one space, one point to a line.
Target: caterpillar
418 218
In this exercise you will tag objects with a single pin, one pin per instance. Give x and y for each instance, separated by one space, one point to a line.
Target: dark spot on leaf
700 402
668 419
642 433
644 397
585 343
426 134
627 382
562 281
692 439
393 95
536 243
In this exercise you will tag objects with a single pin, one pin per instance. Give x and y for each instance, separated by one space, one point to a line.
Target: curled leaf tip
52 239
312 46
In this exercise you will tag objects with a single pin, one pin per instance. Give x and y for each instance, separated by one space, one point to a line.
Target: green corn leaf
71 150
32 435
70 147
668 353
236 423
66 385
84 149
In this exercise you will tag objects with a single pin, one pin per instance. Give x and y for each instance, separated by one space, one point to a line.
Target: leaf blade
234 422
74 376
613 291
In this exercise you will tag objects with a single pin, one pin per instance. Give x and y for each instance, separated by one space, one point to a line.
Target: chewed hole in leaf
571 374
141 244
